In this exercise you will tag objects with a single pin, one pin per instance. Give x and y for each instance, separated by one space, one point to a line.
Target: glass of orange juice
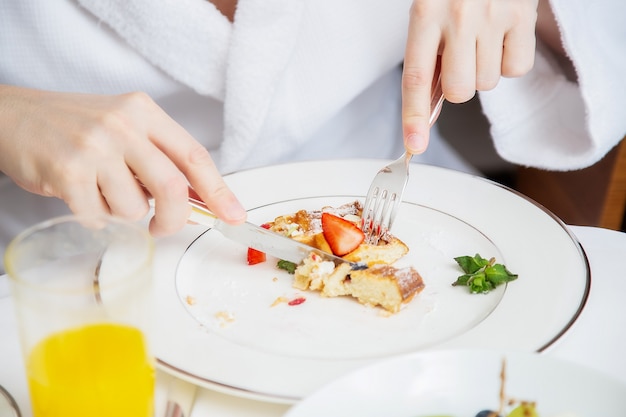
82 293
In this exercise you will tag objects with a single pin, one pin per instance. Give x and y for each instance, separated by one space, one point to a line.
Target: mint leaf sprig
482 275
290 267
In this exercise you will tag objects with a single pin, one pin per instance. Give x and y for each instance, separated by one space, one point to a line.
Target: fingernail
415 143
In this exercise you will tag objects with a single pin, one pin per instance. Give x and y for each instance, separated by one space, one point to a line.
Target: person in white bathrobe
97 93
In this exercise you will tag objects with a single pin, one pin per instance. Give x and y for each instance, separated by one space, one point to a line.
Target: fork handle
436 101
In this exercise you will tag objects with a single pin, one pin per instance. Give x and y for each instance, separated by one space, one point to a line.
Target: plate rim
581 249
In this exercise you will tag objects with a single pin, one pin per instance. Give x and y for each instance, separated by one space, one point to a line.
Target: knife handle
200 212
199 208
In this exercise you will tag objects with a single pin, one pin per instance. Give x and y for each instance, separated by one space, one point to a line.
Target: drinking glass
82 293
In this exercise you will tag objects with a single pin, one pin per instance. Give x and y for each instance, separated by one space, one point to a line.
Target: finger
417 76
518 56
166 184
121 191
69 177
458 63
207 181
198 166
84 198
488 61
519 44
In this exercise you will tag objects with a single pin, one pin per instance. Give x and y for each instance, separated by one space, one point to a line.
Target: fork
385 192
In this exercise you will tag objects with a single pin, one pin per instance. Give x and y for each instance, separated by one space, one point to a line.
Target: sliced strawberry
342 236
255 256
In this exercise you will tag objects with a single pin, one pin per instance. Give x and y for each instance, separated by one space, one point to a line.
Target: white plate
464 382
284 353
218 286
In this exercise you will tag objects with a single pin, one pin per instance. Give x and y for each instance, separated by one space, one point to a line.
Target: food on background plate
522 410
335 230
509 406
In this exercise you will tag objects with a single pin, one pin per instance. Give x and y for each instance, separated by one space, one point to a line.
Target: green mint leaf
479 283
471 264
482 275
484 287
498 274
290 267
462 280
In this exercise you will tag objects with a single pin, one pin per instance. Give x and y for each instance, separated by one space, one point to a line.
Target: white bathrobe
545 121
298 79
288 80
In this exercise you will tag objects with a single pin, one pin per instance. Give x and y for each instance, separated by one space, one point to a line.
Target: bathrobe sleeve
546 121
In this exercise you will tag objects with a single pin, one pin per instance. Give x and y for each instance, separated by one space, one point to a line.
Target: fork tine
386 201
378 215
383 199
367 215
382 218
375 208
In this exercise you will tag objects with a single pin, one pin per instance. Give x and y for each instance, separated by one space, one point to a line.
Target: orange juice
96 370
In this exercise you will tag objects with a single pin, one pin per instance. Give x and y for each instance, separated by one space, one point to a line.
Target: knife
258 238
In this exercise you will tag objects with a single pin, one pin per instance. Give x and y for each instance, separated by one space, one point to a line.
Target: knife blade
259 238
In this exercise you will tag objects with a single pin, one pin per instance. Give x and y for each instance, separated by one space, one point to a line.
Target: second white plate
464 382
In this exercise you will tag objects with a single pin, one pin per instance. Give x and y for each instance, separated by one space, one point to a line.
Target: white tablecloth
597 339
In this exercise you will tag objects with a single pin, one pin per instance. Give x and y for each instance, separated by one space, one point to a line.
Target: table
597 339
